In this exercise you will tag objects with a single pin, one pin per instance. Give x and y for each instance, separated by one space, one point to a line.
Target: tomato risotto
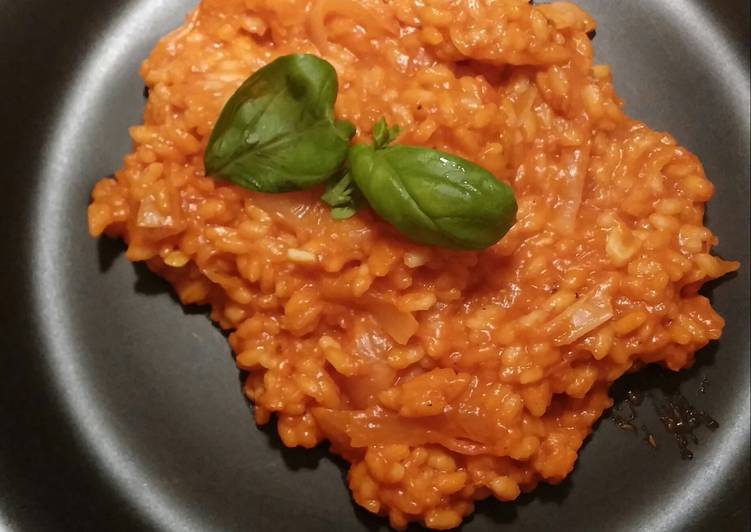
442 376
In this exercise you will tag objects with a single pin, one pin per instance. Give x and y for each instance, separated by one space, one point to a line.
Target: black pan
120 410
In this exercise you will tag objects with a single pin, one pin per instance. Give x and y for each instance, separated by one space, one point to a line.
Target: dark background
121 411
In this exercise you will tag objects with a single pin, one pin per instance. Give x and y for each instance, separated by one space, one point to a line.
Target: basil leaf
432 197
346 128
277 132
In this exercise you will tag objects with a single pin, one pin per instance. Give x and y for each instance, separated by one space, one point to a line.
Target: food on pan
453 339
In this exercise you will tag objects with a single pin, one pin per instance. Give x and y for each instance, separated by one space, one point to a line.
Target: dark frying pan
120 410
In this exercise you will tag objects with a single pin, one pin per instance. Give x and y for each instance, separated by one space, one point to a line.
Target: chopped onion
401 326
150 216
574 173
585 315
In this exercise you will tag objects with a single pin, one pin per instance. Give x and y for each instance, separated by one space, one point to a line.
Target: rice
443 377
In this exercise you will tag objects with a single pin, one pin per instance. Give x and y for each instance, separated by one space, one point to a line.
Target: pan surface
121 410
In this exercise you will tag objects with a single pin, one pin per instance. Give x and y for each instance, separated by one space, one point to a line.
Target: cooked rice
443 377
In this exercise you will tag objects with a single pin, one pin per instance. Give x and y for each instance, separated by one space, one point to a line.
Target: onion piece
401 326
149 215
585 315
574 174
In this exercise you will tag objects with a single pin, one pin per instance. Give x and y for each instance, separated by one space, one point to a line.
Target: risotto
443 377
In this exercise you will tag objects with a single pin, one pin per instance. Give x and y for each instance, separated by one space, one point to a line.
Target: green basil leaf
277 132
432 197
346 128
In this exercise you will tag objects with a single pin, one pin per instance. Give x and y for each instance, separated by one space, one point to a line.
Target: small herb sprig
277 133
342 195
